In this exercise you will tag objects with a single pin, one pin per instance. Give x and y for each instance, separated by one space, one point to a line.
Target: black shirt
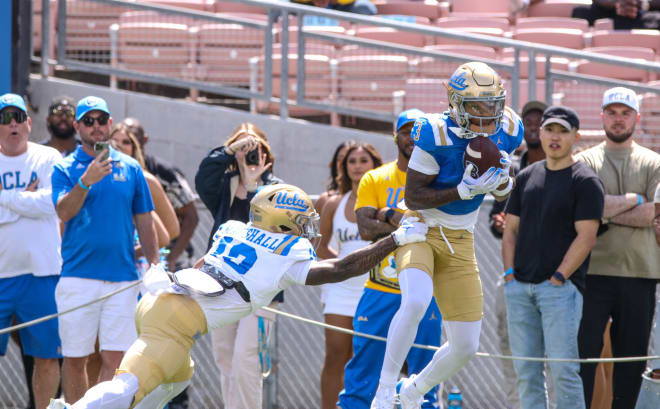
548 203
240 210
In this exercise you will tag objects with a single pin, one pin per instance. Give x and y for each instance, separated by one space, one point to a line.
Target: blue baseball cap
621 95
12 100
91 104
407 117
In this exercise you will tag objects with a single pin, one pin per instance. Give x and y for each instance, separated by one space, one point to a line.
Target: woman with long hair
341 299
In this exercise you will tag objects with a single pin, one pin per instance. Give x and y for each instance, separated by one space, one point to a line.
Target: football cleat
58 404
406 396
384 398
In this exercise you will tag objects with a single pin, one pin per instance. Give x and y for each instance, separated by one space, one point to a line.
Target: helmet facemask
310 228
483 113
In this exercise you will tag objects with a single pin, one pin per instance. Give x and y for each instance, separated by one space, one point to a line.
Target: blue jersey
439 151
98 241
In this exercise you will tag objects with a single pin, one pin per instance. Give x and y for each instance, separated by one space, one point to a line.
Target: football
483 154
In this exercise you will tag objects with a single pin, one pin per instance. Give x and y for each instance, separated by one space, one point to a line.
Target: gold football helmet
287 209
476 99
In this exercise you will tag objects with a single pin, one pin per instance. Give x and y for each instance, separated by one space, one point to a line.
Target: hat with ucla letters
407 116
12 100
621 95
91 104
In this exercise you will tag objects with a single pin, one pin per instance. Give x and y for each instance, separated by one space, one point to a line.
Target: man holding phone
102 197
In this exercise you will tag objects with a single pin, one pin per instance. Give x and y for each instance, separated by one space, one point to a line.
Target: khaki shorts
167 327
456 282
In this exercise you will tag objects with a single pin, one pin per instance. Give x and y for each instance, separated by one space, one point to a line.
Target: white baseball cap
621 95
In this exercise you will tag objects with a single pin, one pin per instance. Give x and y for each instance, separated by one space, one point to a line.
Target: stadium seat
523 90
552 22
390 35
368 82
555 8
494 8
617 71
603 24
560 37
155 17
199 5
467 22
429 95
225 51
586 99
36 25
430 67
625 38
88 29
489 31
235 7
427 8
158 48
556 63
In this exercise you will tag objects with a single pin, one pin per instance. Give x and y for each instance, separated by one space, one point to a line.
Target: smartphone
102 148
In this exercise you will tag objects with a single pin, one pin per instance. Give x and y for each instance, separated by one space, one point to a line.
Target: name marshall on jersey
258 237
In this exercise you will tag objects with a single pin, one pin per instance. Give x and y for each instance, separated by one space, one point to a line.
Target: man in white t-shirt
30 259
247 265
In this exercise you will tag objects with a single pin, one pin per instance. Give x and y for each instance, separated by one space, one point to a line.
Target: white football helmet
476 99
287 209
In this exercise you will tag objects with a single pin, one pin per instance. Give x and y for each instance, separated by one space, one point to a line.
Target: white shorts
342 298
112 320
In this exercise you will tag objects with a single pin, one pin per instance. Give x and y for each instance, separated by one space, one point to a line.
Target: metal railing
260 74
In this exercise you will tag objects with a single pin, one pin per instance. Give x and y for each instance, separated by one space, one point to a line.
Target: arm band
508 271
640 200
82 185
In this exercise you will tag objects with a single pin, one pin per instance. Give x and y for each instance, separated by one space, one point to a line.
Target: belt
226 281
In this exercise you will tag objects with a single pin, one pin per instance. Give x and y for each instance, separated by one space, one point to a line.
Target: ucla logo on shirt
343 235
457 81
284 200
15 180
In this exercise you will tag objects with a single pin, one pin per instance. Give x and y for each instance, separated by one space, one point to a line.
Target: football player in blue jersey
247 265
442 192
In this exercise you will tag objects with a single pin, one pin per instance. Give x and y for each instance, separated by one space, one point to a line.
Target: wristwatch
388 215
559 277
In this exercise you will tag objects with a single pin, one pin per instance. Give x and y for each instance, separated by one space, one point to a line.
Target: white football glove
506 162
411 230
470 187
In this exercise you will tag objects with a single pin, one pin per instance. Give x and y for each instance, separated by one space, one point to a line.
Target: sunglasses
89 121
62 110
7 116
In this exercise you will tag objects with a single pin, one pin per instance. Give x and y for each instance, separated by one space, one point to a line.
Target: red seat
88 29
200 5
427 8
560 37
489 31
603 24
495 8
552 22
429 95
555 8
390 35
467 22
618 71
430 67
627 38
556 63
585 99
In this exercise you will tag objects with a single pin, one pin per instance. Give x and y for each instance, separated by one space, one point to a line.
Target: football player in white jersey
442 192
246 266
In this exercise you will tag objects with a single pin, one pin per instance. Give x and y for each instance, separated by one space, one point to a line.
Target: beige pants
236 353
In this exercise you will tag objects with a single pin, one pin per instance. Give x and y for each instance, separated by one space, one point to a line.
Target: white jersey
264 262
28 223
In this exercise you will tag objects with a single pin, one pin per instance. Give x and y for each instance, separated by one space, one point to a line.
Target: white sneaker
384 398
406 396
58 404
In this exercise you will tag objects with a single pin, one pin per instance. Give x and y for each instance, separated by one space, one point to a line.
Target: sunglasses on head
7 116
89 121
62 110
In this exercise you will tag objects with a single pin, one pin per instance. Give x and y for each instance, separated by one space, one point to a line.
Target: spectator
627 14
445 195
103 198
30 263
378 214
226 181
335 171
60 125
165 221
621 281
341 299
557 201
531 115
365 7
180 195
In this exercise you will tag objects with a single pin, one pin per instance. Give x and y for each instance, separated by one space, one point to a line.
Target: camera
252 157
103 148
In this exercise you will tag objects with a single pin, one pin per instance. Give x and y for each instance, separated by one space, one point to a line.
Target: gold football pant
167 327
456 282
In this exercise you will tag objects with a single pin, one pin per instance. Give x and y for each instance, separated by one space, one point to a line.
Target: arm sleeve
367 195
210 177
590 199
142 202
60 184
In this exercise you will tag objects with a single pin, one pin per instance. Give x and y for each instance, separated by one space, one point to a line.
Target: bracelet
82 185
640 199
509 271
559 277
388 215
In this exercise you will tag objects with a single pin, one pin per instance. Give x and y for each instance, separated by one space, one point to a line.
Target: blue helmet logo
457 81
284 201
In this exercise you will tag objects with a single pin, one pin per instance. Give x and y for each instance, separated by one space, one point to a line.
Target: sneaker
384 398
58 404
406 396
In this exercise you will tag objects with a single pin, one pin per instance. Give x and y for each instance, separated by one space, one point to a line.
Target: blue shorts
27 297
373 316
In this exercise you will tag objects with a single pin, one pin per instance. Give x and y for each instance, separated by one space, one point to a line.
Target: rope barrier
51 316
338 329
479 354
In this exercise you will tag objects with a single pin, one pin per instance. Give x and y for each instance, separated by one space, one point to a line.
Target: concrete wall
182 132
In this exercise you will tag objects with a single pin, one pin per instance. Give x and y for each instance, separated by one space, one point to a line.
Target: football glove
471 187
411 230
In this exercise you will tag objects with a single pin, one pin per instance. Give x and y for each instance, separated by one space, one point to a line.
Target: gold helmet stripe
439 128
510 121
284 245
